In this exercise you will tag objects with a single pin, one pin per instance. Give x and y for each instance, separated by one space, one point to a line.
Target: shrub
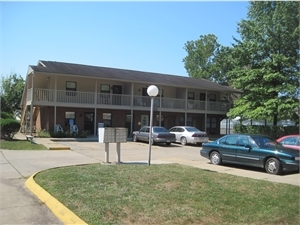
67 134
5 115
272 131
43 134
9 127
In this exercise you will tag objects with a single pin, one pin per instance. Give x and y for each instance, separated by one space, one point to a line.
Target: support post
118 152
106 152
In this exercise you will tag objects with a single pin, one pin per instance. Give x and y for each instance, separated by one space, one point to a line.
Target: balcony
50 97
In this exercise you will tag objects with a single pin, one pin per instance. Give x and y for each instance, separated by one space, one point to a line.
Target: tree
11 93
267 61
200 55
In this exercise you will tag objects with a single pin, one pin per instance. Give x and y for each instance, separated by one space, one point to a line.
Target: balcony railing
90 98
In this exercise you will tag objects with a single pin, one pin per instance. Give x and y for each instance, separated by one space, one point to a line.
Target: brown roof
128 75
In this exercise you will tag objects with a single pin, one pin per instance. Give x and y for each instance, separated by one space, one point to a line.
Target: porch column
55 101
95 109
31 105
205 118
131 110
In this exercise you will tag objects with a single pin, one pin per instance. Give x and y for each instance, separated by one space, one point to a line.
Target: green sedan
252 150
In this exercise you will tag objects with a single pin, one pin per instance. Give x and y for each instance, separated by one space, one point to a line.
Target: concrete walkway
18 205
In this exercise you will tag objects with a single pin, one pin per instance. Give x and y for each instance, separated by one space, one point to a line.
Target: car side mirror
248 146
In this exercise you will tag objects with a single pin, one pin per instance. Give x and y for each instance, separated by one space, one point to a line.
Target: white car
187 134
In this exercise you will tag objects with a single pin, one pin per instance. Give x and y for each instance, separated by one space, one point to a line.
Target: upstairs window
105 88
71 87
191 95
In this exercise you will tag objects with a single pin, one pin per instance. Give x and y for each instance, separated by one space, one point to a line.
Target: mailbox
112 134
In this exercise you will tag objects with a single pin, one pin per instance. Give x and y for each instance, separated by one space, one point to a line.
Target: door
170 121
229 148
247 153
89 122
117 92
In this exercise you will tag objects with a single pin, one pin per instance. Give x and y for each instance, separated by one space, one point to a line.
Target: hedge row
272 131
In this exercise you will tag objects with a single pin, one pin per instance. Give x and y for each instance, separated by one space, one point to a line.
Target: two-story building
65 93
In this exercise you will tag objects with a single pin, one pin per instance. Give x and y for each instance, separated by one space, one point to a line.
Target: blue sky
144 36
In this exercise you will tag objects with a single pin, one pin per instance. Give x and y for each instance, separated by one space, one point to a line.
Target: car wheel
273 166
183 141
168 143
134 138
215 158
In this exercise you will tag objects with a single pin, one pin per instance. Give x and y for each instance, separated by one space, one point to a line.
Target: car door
229 148
179 133
145 134
247 153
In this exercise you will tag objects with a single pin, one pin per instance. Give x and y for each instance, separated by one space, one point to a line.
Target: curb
59 148
57 208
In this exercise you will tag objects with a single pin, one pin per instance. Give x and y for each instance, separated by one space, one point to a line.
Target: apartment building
66 94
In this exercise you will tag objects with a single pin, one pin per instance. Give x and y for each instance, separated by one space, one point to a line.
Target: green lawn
169 194
20 145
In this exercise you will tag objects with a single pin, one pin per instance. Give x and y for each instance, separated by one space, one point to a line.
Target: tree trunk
275 119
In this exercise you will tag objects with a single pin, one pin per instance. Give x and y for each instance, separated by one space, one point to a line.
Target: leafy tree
200 55
267 61
11 93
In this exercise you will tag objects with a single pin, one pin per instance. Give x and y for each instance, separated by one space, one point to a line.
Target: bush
9 127
43 134
67 134
272 131
5 115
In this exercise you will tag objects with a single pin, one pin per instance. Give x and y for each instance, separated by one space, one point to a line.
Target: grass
16 144
169 194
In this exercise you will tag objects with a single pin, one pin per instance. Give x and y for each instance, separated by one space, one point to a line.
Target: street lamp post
152 91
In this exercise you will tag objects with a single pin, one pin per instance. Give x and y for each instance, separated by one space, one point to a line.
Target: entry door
171 121
89 122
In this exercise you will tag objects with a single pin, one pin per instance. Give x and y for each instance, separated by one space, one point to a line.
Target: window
211 122
105 88
69 118
289 141
231 140
71 88
191 95
107 119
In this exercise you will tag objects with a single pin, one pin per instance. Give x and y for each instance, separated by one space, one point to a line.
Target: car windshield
265 142
192 129
159 129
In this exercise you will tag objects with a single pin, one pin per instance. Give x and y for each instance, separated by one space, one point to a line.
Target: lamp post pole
152 92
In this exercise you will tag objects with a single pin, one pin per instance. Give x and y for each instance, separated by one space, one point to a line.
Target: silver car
187 134
159 135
